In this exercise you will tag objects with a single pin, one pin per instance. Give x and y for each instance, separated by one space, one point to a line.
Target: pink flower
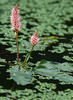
34 39
15 19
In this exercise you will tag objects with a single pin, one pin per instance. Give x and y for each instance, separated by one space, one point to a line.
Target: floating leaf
61 72
20 76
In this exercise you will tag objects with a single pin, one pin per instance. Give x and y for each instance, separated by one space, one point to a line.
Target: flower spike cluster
15 19
34 39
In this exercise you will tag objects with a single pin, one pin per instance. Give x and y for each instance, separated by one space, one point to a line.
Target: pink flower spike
34 39
15 19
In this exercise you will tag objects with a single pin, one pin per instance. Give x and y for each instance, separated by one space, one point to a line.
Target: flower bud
34 39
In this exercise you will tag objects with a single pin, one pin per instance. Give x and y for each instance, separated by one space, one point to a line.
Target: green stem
17 47
27 57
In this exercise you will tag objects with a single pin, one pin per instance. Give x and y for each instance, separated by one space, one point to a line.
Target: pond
49 75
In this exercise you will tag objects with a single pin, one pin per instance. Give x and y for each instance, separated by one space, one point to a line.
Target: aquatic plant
34 40
15 21
19 74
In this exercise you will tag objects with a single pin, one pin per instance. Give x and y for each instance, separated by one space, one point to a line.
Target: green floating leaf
65 78
58 49
65 67
46 68
20 76
60 71
68 58
2 60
